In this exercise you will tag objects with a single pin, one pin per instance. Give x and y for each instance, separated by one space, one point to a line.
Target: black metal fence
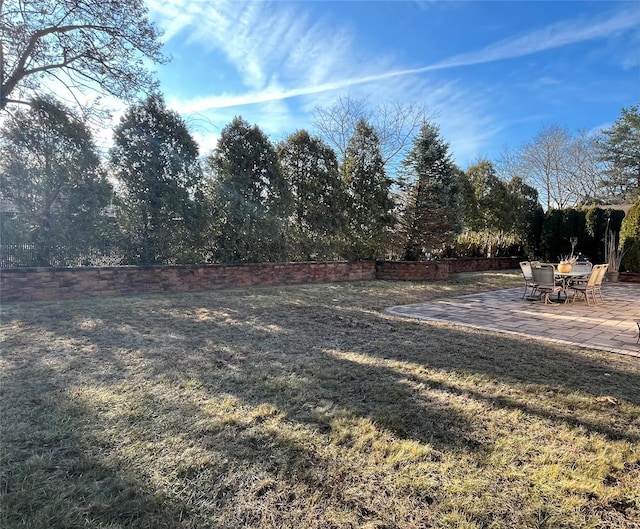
17 254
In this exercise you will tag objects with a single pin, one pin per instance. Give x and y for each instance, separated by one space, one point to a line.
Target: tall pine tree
620 150
434 212
251 195
156 159
370 205
311 168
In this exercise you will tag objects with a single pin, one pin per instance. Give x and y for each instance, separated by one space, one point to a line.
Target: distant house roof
618 207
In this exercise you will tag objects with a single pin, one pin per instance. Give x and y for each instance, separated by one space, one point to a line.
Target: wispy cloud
284 61
281 55
555 36
268 43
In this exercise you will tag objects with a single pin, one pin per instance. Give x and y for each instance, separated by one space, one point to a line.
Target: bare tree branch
395 124
100 38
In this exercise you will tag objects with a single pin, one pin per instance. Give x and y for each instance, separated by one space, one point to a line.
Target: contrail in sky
548 38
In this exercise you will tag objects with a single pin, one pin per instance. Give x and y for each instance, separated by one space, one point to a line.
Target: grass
307 406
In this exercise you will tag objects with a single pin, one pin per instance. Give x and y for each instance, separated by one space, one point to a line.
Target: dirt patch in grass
307 406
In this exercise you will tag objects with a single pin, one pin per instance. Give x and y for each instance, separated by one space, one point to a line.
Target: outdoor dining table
566 277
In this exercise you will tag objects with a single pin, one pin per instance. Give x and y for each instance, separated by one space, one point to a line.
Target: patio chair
600 279
592 286
545 279
525 266
584 267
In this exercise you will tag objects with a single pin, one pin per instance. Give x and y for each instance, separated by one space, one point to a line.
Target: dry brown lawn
307 407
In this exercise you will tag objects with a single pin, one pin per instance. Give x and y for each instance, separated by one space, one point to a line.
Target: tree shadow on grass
252 358
277 354
546 374
315 363
50 479
65 466
518 359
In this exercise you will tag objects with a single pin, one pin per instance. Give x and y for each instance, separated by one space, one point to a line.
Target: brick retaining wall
483 264
38 284
438 270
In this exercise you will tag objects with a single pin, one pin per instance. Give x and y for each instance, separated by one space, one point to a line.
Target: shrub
630 239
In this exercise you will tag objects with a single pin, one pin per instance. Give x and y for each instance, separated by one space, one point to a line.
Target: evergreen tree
526 212
500 205
311 168
630 239
433 216
620 150
251 195
370 206
156 159
51 173
492 211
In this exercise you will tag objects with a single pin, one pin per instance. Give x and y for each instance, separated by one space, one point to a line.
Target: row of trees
158 201
588 227
247 201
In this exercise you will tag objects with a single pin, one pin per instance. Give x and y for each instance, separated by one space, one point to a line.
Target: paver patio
608 326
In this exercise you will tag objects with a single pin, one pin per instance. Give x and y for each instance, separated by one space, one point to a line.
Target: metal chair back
582 266
525 266
544 275
597 275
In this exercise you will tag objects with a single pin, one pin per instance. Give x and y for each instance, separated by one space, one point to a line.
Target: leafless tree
337 122
395 123
564 168
585 168
85 45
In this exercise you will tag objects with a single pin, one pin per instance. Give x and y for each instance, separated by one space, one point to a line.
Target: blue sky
491 74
